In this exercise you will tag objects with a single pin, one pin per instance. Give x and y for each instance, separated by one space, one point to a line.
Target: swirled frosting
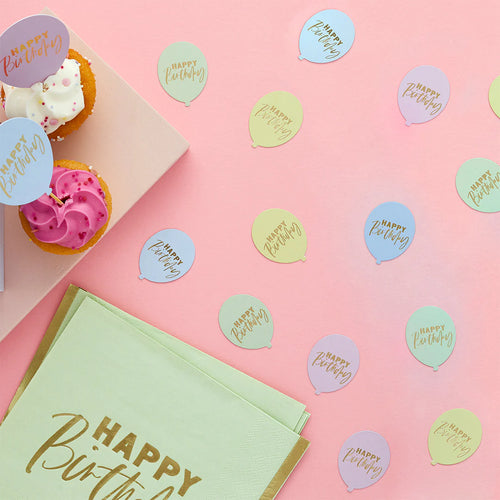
52 103
74 223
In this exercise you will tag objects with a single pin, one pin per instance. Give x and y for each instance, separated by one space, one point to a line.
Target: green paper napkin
283 408
111 412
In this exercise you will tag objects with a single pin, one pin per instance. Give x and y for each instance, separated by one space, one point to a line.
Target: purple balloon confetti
363 459
423 94
332 363
32 49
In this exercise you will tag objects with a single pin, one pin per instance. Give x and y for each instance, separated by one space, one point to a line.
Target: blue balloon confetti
26 162
166 256
326 36
389 231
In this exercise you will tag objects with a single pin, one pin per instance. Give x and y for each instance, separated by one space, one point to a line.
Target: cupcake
61 103
79 221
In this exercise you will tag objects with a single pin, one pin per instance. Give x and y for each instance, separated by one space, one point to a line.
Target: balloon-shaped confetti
182 71
275 119
246 322
423 94
494 96
26 161
166 256
478 184
363 459
279 236
32 49
326 36
454 437
389 231
332 363
430 336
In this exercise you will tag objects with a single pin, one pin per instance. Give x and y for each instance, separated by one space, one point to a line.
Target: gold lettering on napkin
58 453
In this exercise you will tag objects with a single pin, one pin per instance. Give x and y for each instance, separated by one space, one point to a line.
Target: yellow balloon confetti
279 236
275 119
454 437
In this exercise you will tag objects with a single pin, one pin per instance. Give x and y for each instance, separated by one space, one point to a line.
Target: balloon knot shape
301 57
433 462
378 262
187 103
408 123
303 259
435 368
318 392
350 489
254 144
269 345
141 276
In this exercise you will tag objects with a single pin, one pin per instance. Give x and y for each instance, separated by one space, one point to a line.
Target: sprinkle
66 82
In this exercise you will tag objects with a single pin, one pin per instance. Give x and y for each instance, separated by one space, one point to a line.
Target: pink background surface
352 153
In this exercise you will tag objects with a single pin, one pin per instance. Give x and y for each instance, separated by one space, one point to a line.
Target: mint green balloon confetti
182 71
430 336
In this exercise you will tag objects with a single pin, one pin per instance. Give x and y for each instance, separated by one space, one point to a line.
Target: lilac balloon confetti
363 459
332 363
32 49
423 94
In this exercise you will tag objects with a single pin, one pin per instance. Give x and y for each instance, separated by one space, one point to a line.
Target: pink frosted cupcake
79 221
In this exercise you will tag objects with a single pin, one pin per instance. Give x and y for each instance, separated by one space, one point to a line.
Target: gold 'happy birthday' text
484 186
432 335
425 95
249 320
279 237
167 256
38 46
364 460
327 37
113 483
455 437
276 119
390 231
24 153
336 365
185 70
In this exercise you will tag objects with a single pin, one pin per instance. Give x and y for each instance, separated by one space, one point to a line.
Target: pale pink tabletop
352 153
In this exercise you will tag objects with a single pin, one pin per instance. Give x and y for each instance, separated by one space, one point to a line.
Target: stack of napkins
112 408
